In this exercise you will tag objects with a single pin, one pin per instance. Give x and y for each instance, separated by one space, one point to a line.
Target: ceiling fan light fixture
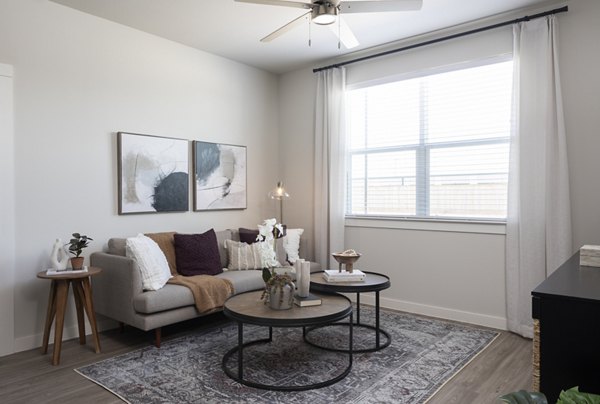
324 14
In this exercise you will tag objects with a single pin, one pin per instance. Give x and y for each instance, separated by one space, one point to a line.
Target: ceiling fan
327 12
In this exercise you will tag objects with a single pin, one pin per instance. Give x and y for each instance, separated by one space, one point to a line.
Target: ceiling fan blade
287 27
344 33
378 6
295 4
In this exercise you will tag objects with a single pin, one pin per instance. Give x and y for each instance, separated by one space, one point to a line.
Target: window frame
422 150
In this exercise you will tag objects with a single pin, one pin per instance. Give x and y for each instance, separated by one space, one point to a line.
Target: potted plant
279 290
76 246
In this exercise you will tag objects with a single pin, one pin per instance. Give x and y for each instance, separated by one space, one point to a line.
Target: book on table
54 271
333 275
310 300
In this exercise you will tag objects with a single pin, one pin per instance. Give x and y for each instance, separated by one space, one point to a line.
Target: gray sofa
118 292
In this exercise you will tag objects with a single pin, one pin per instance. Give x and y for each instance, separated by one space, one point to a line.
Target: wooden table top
248 308
68 275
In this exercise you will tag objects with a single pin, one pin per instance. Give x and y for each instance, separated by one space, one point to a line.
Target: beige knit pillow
167 245
242 256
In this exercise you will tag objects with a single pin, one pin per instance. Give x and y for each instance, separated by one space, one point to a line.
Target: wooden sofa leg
121 327
157 335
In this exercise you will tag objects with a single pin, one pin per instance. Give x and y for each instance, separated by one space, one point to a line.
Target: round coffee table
247 308
374 282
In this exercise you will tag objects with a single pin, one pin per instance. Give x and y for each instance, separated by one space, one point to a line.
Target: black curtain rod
446 38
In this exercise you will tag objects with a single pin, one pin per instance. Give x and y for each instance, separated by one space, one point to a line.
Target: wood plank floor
28 377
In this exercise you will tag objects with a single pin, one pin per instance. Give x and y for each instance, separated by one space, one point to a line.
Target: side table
374 282
57 303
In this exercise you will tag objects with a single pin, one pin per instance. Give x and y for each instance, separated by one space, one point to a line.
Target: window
435 146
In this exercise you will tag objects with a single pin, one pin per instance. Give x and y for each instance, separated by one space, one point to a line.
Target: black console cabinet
566 313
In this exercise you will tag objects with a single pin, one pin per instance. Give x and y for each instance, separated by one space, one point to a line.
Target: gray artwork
220 176
153 174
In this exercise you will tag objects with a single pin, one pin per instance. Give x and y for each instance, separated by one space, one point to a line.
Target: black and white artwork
153 174
219 176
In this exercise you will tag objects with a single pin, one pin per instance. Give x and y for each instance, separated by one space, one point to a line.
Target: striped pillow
242 256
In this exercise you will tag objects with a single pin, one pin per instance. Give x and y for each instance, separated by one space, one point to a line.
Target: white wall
78 79
445 271
455 273
7 211
296 122
579 31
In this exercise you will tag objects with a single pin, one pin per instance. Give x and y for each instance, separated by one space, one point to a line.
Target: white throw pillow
242 256
291 244
151 261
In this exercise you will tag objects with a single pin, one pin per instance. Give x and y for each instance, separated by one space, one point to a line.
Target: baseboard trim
35 341
438 312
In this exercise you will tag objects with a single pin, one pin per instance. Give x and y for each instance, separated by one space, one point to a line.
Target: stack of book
310 300
68 271
333 276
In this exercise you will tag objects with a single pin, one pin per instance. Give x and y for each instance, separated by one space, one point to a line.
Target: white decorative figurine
59 259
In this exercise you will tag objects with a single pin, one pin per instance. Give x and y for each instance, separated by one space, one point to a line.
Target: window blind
431 146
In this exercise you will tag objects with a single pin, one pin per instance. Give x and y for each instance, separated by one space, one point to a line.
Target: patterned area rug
423 355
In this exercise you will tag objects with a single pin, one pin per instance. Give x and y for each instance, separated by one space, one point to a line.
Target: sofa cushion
168 298
116 246
243 256
151 261
244 281
167 244
221 237
197 254
248 236
291 244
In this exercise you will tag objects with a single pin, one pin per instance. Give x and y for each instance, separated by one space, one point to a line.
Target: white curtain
330 165
538 231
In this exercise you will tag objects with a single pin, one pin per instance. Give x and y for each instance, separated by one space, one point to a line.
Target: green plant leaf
523 397
574 396
266 274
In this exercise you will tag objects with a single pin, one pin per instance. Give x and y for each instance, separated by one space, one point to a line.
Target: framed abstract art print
219 176
153 174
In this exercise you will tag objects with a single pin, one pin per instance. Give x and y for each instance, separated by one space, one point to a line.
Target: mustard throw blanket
209 292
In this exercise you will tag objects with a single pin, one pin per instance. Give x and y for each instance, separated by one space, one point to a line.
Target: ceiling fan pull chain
339 32
309 29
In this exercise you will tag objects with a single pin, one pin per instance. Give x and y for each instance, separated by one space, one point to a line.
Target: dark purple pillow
248 235
197 254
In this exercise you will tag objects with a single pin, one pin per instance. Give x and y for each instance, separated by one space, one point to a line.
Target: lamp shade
279 192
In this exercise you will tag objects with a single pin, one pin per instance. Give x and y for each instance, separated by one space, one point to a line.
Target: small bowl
347 260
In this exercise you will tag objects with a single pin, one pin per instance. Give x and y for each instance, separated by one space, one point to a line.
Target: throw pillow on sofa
167 245
197 254
291 244
248 236
243 256
151 261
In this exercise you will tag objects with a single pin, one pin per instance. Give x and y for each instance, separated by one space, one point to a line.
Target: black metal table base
376 328
239 376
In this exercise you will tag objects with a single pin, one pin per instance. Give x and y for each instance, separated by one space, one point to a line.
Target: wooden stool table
57 303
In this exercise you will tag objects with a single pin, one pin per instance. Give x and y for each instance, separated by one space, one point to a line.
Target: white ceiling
233 30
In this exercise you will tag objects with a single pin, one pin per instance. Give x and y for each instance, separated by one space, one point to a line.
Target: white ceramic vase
304 282
281 299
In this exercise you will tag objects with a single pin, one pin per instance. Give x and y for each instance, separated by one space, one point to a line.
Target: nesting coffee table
247 308
374 282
